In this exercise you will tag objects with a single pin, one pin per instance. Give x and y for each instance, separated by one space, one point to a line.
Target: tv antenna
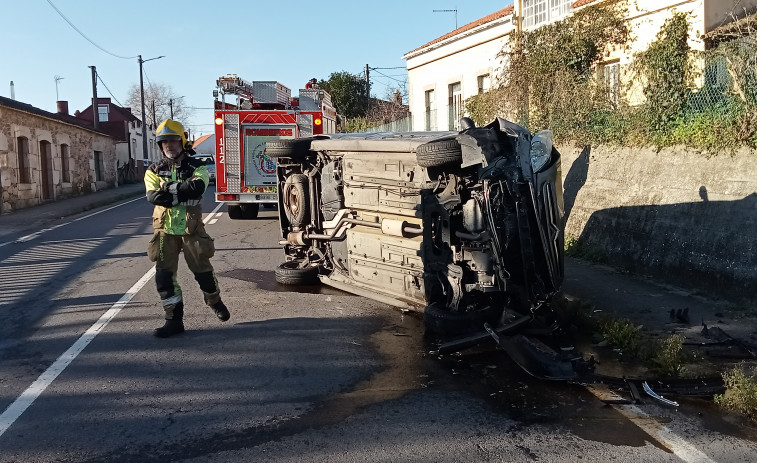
57 79
448 11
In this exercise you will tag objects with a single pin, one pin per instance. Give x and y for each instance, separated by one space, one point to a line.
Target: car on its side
210 165
466 227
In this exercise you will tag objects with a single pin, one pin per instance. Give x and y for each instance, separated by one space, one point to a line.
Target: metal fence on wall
400 125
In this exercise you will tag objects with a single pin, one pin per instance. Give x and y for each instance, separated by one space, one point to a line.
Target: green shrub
741 393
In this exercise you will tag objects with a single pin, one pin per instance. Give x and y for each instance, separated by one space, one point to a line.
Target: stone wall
676 214
82 144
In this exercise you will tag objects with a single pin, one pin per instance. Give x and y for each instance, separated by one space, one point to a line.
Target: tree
347 93
163 98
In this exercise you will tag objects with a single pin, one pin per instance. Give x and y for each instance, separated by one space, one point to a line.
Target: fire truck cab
263 111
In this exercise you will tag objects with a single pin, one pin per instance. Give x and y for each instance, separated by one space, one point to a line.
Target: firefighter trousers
198 248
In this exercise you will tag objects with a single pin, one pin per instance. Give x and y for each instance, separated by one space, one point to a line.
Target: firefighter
175 186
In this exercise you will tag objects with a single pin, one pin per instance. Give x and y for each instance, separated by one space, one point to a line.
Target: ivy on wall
552 78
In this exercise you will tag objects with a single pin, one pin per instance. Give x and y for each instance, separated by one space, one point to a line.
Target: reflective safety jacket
176 191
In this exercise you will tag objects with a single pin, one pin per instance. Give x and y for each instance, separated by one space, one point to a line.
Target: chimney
62 107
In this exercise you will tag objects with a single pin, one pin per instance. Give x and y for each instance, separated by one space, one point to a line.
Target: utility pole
142 95
170 105
95 112
154 118
367 81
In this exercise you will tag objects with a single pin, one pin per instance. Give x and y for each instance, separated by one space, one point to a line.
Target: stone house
48 156
446 71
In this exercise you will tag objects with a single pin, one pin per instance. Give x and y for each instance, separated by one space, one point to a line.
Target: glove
170 187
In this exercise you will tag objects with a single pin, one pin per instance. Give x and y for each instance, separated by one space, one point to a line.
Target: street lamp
142 94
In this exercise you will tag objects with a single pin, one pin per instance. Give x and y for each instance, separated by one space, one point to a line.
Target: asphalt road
297 374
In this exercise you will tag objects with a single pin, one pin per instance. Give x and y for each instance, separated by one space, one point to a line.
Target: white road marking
31 236
675 443
24 401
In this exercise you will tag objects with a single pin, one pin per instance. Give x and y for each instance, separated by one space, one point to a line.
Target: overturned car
466 227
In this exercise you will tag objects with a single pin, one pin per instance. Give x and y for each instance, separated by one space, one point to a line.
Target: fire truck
262 111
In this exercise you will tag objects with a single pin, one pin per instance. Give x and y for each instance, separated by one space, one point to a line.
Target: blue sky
288 41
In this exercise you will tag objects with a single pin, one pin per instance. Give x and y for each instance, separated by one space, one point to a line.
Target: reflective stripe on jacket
177 214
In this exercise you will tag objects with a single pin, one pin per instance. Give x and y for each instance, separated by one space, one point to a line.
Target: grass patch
623 336
741 393
670 357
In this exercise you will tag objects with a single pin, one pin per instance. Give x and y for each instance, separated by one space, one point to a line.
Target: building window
483 83
537 12
24 172
455 105
102 113
612 81
65 164
430 101
99 166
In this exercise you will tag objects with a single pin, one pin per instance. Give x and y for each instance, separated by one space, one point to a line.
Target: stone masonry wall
676 214
82 144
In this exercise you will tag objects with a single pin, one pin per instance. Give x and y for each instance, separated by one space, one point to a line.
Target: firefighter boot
174 321
221 311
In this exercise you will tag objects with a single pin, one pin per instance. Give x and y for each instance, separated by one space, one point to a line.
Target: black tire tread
439 153
290 273
294 148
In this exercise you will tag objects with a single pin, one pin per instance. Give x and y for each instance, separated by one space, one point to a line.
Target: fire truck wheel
250 211
296 199
297 272
295 148
439 153
441 321
235 212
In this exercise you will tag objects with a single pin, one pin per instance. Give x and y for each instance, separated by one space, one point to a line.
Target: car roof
378 141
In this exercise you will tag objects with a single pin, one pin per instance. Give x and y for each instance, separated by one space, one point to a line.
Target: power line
390 77
82 34
106 88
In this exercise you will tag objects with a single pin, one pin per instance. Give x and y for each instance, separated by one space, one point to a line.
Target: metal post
170 105
142 94
144 120
95 112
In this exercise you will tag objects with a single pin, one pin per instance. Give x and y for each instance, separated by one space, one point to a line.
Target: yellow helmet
169 129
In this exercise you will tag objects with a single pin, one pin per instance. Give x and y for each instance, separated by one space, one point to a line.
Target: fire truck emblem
267 164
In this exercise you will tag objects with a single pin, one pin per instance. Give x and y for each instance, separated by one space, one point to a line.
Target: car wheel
296 272
235 212
296 199
296 148
441 321
439 153
250 211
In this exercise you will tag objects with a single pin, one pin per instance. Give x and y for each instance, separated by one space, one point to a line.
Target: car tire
440 321
296 148
235 212
293 273
250 211
296 199
439 153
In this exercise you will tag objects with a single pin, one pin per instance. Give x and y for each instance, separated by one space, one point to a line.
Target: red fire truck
263 111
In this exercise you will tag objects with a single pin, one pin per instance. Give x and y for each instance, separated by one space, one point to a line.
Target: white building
445 72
